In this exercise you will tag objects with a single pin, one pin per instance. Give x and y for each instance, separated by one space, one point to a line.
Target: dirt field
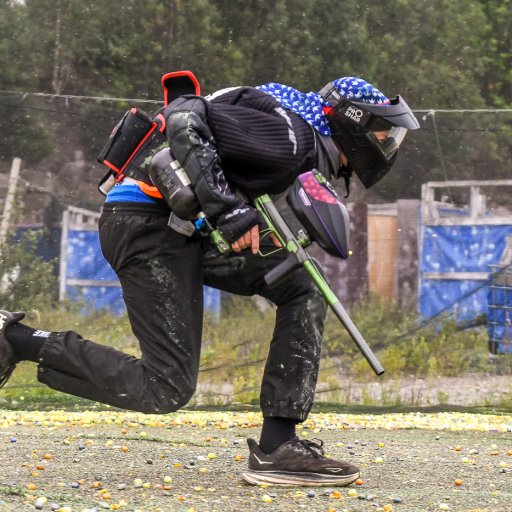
92 461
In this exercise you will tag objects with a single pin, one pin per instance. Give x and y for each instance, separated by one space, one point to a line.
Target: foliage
22 121
27 280
404 349
19 119
234 351
437 54
497 78
461 48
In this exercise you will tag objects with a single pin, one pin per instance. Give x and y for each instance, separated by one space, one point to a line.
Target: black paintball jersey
262 146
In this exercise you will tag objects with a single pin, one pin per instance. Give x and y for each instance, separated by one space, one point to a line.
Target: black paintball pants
161 274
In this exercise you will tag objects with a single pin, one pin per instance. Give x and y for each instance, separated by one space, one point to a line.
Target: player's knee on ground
171 399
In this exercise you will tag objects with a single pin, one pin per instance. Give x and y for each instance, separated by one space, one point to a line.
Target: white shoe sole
302 479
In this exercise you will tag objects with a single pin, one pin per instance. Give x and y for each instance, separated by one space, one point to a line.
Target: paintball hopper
316 205
319 209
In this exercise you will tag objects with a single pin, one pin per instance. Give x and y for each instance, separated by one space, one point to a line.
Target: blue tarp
84 257
458 249
85 261
499 314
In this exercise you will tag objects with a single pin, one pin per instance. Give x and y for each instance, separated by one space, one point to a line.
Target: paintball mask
353 125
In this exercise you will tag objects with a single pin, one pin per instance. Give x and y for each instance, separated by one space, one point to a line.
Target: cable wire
139 100
24 94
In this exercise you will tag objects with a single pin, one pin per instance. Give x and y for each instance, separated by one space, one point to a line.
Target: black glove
236 222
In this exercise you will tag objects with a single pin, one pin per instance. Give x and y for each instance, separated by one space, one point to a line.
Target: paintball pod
325 220
186 216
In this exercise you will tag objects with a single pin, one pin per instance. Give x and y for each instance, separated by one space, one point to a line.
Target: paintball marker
325 220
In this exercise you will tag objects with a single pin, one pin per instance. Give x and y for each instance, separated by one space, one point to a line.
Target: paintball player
233 145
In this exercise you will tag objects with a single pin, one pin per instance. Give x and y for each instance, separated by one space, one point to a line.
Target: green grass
235 348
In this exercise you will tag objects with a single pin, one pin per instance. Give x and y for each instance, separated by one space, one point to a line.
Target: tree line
439 54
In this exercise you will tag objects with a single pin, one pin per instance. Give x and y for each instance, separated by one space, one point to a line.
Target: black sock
25 341
275 432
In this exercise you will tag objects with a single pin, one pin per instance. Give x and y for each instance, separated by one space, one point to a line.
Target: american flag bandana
309 105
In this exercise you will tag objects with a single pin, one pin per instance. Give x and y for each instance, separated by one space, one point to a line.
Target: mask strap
346 174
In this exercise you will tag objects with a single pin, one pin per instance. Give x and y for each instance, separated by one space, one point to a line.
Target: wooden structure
382 250
9 199
393 251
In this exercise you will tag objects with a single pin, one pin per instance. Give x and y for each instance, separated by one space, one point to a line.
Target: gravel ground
70 461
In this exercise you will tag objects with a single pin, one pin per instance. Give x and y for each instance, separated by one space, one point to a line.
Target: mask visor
389 146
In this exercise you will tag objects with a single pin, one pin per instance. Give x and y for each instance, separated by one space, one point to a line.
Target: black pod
173 183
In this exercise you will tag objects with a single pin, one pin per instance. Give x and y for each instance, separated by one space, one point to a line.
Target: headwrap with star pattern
309 105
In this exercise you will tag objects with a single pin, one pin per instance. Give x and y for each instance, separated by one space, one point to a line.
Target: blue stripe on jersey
128 193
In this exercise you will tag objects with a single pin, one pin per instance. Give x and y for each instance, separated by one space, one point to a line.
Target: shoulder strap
179 83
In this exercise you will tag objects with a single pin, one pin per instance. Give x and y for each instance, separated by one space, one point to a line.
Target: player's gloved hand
234 223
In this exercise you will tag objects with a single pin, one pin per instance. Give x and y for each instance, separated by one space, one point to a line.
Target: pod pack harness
138 137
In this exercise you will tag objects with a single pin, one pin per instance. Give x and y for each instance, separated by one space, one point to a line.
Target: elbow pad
193 145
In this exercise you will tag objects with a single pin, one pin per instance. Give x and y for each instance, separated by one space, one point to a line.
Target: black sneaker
297 462
7 358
